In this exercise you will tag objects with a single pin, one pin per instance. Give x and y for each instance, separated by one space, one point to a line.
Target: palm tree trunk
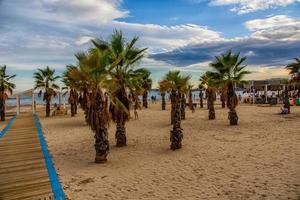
206 96
121 134
286 101
84 99
210 103
191 100
47 108
99 124
72 101
2 108
232 102
176 132
173 105
201 98
223 99
182 106
75 105
145 100
163 101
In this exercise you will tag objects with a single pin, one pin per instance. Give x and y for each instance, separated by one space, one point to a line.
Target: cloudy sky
180 34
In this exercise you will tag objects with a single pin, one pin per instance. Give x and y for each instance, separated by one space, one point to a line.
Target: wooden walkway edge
26 168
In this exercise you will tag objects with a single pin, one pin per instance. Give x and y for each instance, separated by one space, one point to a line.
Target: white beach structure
31 93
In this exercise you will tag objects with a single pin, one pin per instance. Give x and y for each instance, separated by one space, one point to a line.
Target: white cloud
65 11
247 6
83 40
165 38
279 27
272 22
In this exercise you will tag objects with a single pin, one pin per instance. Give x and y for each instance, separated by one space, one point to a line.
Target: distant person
284 110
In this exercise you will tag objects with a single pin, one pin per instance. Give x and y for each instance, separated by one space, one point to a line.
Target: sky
182 35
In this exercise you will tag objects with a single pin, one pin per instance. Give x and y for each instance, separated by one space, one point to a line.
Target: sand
258 159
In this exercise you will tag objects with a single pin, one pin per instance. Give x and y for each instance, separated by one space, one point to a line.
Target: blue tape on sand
7 126
54 180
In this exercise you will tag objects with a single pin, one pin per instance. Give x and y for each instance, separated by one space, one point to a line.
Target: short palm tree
190 97
208 81
201 88
229 70
163 88
45 82
177 84
124 57
223 96
146 84
6 86
294 69
285 96
71 85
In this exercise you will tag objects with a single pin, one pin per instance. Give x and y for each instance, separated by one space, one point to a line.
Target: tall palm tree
45 81
208 81
229 70
146 84
177 84
5 87
163 88
97 65
89 76
124 57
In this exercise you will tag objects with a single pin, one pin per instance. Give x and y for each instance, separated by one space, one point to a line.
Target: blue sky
180 34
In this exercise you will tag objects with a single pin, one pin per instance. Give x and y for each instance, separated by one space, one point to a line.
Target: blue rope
54 180
7 126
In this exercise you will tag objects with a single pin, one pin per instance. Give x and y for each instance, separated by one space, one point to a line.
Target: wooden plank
23 173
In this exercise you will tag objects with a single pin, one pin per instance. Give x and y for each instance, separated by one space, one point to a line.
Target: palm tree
71 85
223 96
183 103
201 88
208 81
294 70
89 76
45 81
177 84
97 66
286 100
190 97
123 56
163 88
146 84
5 87
229 71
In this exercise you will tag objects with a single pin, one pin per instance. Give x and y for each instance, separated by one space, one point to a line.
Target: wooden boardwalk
24 173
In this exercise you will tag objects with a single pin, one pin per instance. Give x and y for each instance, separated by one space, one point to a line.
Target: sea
27 100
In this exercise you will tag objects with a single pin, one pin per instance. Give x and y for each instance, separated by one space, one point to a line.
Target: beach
258 159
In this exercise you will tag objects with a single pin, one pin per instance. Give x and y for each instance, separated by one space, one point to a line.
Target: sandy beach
258 159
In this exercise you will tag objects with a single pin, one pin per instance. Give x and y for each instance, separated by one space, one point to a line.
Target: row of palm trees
106 85
227 71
